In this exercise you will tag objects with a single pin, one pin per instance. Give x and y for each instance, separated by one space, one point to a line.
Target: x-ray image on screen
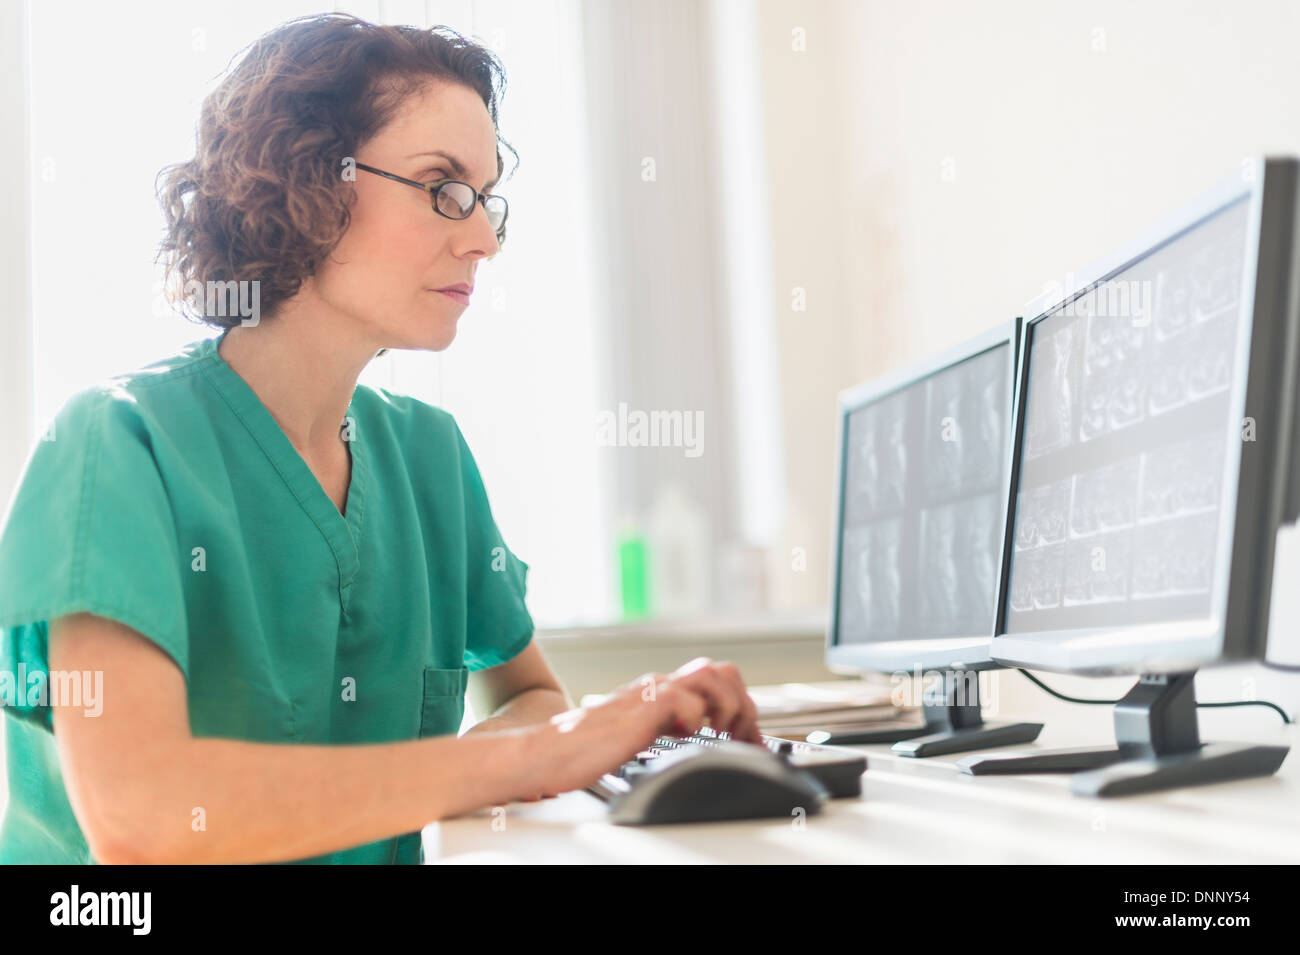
1126 426
924 477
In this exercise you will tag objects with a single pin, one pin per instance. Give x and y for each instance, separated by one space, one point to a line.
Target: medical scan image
924 498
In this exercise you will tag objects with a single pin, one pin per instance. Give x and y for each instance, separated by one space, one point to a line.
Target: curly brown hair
263 199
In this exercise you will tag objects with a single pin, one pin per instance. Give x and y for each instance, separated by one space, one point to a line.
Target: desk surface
922 811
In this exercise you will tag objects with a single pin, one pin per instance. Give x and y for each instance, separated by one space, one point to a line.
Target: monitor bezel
1252 493
927 653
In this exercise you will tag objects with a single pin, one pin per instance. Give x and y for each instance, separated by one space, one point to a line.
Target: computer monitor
920 521
1153 429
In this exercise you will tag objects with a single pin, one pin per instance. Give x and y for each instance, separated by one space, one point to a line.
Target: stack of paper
793 710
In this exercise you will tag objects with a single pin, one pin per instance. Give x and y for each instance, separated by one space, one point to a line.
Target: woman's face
397 251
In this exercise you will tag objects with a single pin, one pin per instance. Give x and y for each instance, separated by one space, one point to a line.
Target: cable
1284 667
1061 696
1074 699
1281 712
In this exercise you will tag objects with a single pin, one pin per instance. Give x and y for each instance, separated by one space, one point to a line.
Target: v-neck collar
343 534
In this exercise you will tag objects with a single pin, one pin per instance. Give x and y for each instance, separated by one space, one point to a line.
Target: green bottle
634 572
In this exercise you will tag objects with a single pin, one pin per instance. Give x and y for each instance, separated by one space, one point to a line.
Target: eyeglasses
455 199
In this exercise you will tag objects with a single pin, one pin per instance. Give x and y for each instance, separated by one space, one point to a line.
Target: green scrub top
170 500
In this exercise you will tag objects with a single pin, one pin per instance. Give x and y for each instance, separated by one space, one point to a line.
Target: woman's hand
578 746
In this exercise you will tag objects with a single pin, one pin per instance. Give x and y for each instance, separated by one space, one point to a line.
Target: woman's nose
478 238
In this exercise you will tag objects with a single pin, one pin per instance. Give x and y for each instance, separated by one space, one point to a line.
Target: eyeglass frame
432 188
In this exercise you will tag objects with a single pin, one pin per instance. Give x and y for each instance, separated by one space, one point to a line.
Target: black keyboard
838 771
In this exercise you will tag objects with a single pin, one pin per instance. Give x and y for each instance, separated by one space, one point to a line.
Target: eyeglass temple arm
392 176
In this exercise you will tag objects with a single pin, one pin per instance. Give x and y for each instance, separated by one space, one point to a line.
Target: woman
284 578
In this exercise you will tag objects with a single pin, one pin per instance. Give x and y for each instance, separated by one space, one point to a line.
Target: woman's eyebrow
457 167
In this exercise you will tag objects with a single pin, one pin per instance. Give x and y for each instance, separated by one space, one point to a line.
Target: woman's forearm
228 801
533 706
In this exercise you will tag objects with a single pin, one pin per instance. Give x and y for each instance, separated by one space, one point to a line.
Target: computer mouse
707 784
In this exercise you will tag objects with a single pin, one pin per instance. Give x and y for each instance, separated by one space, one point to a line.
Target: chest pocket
444 700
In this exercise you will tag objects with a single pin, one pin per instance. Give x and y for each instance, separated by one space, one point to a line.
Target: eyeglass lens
456 200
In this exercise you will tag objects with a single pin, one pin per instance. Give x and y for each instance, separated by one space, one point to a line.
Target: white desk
926 811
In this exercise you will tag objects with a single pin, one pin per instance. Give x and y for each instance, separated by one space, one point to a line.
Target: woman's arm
140 784
523 691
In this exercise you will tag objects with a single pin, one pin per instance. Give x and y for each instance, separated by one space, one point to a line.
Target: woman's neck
304 369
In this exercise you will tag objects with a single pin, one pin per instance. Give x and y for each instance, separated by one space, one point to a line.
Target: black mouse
717 782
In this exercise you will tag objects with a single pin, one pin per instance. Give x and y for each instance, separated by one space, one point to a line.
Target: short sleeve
498 625
90 528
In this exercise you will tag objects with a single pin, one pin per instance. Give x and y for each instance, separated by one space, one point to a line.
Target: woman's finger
722 697
745 723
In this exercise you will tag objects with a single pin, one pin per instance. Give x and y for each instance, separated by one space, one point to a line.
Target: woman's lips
454 294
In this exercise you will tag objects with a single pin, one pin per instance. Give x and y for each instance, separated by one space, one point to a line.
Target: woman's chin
425 336
440 338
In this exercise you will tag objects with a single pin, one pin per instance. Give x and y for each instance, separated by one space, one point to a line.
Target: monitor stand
1159 748
954 725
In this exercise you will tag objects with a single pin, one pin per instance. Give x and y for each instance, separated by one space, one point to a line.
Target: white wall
15 268
15 253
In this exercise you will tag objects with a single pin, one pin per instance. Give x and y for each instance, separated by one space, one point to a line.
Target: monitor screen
1126 421
922 513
